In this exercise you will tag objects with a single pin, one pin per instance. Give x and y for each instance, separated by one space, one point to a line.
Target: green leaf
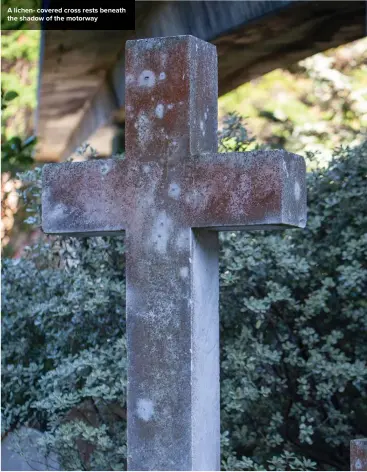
10 95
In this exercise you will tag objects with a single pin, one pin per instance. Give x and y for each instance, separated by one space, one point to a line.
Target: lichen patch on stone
105 167
184 272
58 212
174 190
159 110
182 240
143 127
145 409
147 78
161 232
285 168
297 190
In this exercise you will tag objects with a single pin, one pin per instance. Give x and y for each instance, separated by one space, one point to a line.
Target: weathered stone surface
358 454
240 191
171 99
169 194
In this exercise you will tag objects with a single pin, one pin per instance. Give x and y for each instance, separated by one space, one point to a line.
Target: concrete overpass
81 83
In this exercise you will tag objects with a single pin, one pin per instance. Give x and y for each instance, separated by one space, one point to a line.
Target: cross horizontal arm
234 191
80 197
243 191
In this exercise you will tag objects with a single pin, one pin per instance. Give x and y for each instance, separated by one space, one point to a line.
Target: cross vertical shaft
173 355
172 272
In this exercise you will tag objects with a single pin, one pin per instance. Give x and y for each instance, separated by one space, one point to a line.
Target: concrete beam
252 38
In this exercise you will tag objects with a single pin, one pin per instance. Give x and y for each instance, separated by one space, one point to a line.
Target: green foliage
19 52
316 105
233 136
16 153
18 97
6 5
20 45
293 324
294 320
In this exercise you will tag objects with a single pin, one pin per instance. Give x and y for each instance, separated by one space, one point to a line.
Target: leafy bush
293 346
293 321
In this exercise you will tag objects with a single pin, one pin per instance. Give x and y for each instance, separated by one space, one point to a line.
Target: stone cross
171 194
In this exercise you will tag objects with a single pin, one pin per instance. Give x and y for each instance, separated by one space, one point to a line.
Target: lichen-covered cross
171 194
